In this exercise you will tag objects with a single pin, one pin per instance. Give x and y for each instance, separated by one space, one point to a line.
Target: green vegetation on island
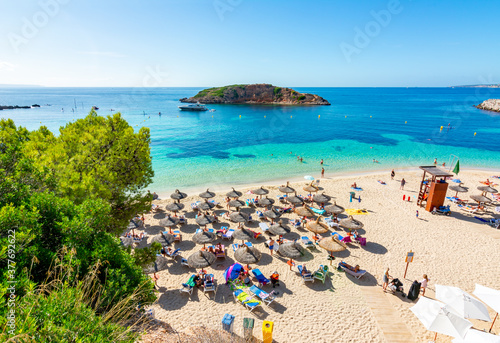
255 94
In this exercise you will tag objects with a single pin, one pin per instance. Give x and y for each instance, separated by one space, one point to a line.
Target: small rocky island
490 105
255 94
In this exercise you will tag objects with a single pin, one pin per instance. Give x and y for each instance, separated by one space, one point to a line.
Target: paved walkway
386 315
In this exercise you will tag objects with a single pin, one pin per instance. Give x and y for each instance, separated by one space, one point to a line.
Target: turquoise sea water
241 144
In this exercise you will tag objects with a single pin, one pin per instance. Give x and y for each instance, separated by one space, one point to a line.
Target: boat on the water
95 108
193 107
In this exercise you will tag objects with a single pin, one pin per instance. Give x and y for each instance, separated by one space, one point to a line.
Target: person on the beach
423 284
354 185
271 246
403 182
227 202
322 172
316 238
304 270
444 164
435 161
417 214
155 196
393 174
385 280
155 279
275 279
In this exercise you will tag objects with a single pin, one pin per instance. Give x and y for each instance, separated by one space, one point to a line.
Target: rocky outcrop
255 94
15 107
490 105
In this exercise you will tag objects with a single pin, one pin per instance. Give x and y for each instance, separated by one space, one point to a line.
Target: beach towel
353 211
357 188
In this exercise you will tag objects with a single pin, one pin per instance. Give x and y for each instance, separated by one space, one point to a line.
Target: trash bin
267 331
352 195
227 323
248 328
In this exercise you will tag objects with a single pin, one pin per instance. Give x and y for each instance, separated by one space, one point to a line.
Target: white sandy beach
458 251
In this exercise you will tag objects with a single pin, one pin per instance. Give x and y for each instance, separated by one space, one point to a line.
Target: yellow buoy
474 133
441 128
370 116
212 116
290 116
406 122
319 116
345 117
240 115
264 116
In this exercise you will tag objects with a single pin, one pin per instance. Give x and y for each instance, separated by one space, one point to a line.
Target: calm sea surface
241 144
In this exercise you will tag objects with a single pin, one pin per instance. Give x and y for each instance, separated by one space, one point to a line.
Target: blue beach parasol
309 177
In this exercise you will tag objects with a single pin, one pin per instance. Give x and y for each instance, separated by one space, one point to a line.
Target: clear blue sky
218 42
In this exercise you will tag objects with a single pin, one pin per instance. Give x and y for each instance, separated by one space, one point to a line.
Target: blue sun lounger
244 299
267 298
260 277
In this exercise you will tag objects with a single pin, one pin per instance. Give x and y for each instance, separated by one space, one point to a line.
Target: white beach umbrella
462 302
475 336
309 177
490 296
440 318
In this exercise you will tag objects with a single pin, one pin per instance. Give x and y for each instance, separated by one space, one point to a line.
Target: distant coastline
497 85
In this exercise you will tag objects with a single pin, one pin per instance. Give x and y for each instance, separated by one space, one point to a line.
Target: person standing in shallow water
321 162
322 172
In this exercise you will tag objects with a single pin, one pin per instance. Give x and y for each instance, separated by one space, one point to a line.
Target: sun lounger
267 298
260 277
244 299
468 208
317 210
306 277
209 283
184 262
357 274
264 227
236 246
321 273
221 253
329 221
228 234
174 253
188 286
177 235
307 242
194 205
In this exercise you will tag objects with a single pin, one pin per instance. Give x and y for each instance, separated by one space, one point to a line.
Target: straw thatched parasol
279 229
201 259
167 237
332 244
480 198
243 234
459 188
311 188
294 200
127 241
351 223
291 249
303 211
234 194
174 207
266 201
321 198
487 189
334 209
260 191
317 226
207 194
286 189
178 195
272 213
160 264
204 219
205 205
247 255
204 237
169 221
238 217
236 203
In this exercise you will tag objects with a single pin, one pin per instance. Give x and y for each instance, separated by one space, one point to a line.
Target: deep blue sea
243 144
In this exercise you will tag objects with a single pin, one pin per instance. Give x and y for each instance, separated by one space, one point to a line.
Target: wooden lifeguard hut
433 187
